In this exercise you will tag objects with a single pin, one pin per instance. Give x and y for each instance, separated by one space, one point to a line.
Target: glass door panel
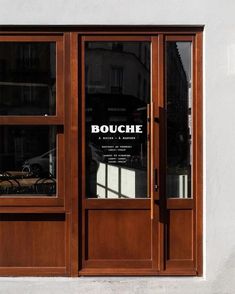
117 93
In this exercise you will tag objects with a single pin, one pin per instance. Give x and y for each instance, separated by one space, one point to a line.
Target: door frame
151 265
76 149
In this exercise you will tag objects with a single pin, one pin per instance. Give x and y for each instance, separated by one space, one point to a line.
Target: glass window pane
27 160
179 119
117 94
27 78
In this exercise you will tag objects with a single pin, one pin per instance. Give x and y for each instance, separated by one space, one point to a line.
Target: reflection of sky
184 49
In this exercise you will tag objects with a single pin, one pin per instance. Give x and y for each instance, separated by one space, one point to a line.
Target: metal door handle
151 115
155 179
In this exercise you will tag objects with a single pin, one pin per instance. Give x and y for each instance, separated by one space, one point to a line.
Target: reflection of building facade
178 121
27 77
118 68
178 101
117 92
27 87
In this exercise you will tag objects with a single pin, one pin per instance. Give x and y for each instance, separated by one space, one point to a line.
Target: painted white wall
219 125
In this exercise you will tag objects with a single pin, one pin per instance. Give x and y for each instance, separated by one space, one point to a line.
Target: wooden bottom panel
32 240
179 239
118 234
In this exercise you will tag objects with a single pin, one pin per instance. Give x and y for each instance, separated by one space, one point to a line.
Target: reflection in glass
179 119
27 160
117 93
27 78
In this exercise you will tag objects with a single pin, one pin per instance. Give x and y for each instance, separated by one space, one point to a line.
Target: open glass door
120 148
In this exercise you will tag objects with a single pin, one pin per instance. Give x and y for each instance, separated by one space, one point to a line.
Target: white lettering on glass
117 129
94 129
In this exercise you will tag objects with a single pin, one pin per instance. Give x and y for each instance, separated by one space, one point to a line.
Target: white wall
219 136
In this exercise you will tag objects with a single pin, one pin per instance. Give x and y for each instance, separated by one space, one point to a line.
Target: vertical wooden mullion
73 110
67 121
82 190
162 148
67 186
194 148
198 148
154 154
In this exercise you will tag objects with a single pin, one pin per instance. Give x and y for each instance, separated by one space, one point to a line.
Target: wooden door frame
76 92
117 204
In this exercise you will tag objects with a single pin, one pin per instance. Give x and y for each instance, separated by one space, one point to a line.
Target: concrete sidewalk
112 285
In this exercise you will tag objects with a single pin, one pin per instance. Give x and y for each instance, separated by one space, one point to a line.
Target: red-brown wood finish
180 235
40 239
75 152
183 226
126 224
56 120
122 236
43 236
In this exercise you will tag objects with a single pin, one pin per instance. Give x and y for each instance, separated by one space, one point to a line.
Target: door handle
151 116
154 189
155 179
152 119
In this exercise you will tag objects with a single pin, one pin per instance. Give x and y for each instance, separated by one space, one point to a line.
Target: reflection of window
94 76
145 55
27 56
31 141
144 89
117 46
86 74
27 78
26 159
96 72
179 100
139 86
116 172
140 50
116 79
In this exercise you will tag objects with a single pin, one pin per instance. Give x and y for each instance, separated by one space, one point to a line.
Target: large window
31 118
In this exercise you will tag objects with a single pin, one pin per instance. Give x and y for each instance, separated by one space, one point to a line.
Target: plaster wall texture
219 132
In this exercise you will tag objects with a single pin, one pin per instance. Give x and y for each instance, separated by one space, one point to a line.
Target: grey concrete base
122 285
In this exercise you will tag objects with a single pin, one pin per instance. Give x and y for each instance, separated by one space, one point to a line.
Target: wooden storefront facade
61 228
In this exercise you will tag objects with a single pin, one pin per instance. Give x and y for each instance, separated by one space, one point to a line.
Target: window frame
58 118
57 121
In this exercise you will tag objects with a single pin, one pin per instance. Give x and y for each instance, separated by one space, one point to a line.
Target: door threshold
133 272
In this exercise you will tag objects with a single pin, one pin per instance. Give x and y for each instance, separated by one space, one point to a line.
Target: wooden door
120 156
